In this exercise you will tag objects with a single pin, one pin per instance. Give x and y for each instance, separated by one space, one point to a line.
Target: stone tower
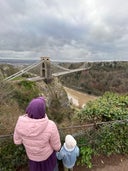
45 69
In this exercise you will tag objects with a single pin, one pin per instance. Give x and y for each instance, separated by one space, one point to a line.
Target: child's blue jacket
68 156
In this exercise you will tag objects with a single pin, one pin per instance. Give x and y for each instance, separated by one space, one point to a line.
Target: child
68 152
39 135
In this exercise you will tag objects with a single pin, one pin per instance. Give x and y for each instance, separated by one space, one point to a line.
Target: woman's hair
36 108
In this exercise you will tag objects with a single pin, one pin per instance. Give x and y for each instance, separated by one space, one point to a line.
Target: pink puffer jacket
40 137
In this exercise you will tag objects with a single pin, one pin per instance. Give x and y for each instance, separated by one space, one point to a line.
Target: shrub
111 106
112 139
108 137
11 156
86 156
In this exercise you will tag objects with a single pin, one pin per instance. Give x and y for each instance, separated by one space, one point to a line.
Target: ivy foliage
112 139
109 107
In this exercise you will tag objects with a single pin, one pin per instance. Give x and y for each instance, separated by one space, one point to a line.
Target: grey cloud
73 30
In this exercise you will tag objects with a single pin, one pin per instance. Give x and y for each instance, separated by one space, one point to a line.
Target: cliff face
58 107
53 90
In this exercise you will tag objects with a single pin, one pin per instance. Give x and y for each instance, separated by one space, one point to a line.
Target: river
78 98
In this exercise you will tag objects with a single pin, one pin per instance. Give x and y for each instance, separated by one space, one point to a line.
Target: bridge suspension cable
66 69
22 71
69 71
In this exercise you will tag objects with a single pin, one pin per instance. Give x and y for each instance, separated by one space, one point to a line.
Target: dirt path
123 166
113 163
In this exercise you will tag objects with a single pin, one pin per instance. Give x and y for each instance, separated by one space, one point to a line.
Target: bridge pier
45 69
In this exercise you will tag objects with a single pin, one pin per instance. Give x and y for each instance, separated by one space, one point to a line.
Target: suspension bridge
45 70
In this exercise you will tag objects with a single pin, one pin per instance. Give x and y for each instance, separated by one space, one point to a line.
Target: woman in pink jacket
39 135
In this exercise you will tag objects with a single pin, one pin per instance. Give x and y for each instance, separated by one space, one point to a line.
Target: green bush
108 137
11 156
112 139
86 156
111 106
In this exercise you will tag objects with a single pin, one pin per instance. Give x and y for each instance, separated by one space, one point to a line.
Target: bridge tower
45 69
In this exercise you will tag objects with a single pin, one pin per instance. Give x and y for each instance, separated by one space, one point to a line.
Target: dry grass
8 117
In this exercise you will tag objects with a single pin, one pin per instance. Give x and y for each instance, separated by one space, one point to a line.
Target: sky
64 30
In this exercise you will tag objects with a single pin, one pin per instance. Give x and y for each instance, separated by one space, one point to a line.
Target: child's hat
70 142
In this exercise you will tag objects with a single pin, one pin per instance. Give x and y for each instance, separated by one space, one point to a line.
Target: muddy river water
77 98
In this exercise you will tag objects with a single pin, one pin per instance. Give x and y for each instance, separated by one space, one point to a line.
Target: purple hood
36 108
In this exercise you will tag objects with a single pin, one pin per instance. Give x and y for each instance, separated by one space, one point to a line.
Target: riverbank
78 98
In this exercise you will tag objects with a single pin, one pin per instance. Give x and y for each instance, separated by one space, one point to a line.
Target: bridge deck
69 71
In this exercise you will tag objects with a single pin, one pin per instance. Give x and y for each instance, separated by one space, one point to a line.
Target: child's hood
68 149
31 127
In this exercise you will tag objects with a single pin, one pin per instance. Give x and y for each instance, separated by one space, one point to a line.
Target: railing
76 130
